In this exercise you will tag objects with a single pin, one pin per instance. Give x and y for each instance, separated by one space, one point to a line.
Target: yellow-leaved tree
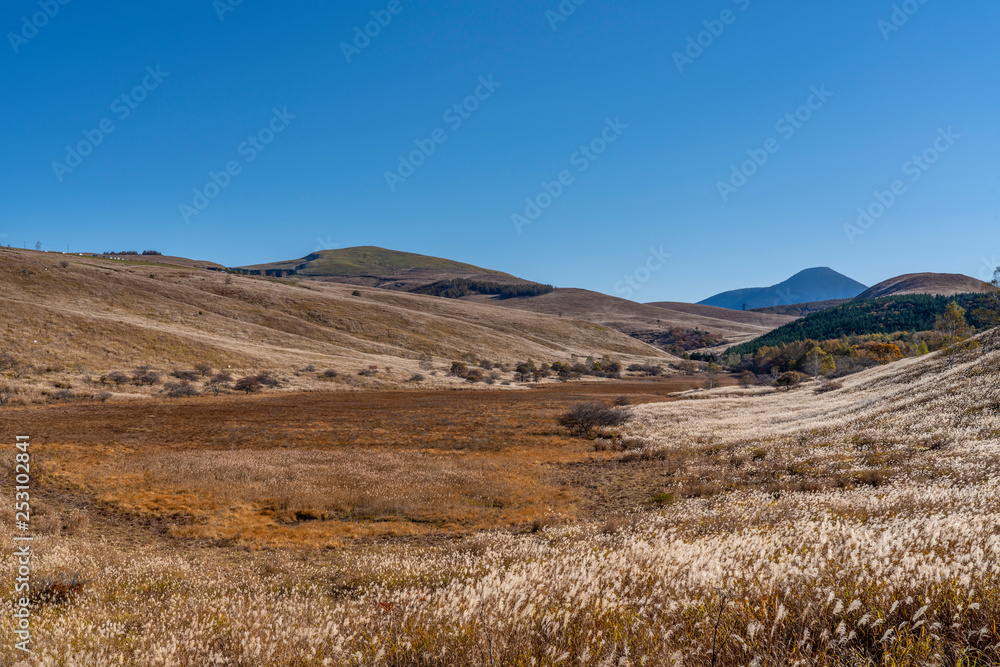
953 329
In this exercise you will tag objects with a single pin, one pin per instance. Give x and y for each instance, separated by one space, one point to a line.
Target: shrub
187 376
356 293
179 390
203 370
622 401
64 395
248 384
368 372
117 377
416 377
828 387
268 379
8 362
474 375
583 418
58 589
458 369
790 379
649 370
221 377
144 376
330 374
64 264
103 396
748 380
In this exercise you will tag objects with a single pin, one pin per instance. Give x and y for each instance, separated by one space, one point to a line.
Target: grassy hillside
915 312
100 314
944 284
646 321
370 261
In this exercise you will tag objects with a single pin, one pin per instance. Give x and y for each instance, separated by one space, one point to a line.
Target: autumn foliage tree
953 329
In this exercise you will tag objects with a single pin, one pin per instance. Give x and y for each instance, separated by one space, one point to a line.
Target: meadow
858 526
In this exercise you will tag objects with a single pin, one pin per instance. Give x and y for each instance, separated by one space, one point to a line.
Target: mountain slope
646 321
945 284
818 284
884 315
378 267
101 314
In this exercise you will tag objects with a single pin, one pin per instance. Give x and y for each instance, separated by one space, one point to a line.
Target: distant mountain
943 284
819 284
378 267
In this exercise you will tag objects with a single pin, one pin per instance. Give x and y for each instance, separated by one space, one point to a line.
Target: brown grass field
316 469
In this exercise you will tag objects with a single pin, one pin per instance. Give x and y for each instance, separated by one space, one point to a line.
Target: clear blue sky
322 180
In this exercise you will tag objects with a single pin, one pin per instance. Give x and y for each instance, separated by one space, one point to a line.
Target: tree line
883 315
460 287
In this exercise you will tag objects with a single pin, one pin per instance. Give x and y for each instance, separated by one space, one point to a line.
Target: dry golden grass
100 315
314 470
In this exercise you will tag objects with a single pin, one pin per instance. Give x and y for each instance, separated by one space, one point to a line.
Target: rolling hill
945 284
378 267
647 322
96 314
883 315
420 274
818 284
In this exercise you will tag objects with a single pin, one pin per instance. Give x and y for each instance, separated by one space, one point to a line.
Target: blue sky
557 81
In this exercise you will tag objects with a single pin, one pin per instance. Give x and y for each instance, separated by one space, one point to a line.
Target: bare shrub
330 374
583 418
56 589
180 390
187 376
248 384
221 377
145 376
622 401
416 377
829 386
117 377
203 369
268 379
649 370
8 362
103 396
